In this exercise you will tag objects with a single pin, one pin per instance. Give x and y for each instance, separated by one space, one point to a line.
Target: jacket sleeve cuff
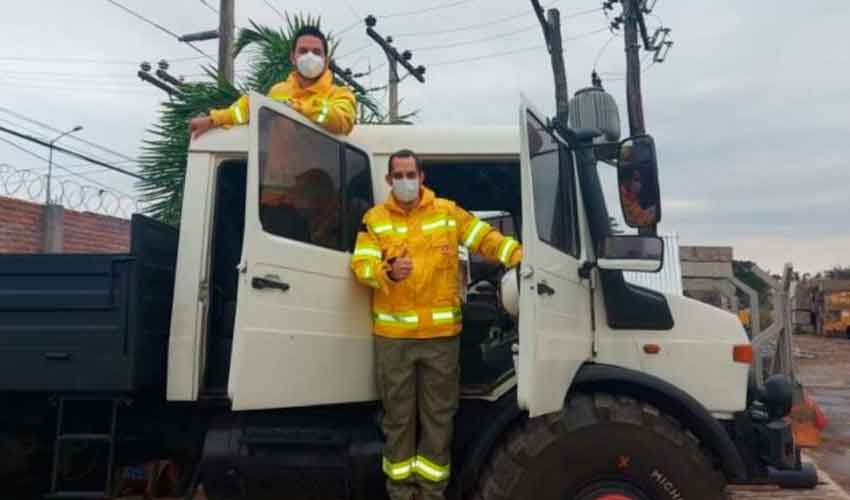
222 117
516 258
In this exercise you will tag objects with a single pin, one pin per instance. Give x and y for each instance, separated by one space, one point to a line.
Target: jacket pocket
445 261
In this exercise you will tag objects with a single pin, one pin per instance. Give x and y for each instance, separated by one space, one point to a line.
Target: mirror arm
586 269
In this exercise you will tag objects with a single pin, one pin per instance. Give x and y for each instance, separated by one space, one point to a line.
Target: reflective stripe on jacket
427 303
331 106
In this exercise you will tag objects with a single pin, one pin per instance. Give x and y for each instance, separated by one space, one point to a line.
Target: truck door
554 321
303 327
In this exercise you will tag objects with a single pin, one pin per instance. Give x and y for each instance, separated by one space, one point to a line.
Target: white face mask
406 190
310 65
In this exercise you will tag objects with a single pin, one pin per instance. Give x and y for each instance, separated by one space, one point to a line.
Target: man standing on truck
309 90
407 251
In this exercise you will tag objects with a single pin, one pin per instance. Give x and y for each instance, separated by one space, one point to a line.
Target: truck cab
574 382
279 321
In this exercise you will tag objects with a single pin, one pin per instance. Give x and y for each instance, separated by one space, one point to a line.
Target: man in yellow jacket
309 90
407 251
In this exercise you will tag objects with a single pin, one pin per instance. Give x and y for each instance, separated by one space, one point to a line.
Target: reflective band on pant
506 249
401 229
429 470
404 320
323 115
237 114
446 316
475 234
400 470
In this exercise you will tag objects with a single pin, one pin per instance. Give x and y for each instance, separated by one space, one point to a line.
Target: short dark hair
311 31
404 153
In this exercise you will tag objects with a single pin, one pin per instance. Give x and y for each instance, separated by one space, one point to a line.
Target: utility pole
393 60
552 34
632 16
48 198
224 33
226 22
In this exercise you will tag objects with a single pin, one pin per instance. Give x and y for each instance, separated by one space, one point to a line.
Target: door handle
269 282
543 288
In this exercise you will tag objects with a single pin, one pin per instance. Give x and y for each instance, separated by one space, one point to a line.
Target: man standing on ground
309 90
407 250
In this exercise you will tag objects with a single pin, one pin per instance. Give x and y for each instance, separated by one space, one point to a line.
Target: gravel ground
826 377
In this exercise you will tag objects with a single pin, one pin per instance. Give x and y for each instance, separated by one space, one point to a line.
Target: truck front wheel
601 447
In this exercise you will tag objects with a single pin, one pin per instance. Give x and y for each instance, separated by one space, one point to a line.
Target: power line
272 7
92 144
88 60
434 8
602 51
63 74
477 40
205 4
86 88
352 52
488 56
159 27
495 21
500 36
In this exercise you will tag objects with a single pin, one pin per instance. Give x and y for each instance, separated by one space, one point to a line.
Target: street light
50 159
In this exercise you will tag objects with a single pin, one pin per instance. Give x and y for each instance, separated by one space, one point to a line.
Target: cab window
554 189
312 187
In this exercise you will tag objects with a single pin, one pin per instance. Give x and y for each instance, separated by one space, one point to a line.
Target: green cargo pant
417 378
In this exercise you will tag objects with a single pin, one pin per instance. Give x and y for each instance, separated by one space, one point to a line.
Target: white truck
245 351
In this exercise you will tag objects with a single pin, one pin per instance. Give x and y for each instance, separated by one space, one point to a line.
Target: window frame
566 187
341 192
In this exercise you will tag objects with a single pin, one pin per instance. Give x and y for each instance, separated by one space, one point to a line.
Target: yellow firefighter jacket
427 303
331 106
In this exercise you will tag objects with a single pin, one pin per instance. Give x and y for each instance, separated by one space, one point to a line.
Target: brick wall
21 225
21 230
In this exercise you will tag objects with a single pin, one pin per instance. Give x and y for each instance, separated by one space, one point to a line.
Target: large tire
601 447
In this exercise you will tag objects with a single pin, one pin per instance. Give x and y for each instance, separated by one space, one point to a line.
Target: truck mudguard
669 399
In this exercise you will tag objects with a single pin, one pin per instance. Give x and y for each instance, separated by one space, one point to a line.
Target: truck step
84 437
80 495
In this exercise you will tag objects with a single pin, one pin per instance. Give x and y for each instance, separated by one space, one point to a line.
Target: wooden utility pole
226 13
552 34
393 89
394 58
634 99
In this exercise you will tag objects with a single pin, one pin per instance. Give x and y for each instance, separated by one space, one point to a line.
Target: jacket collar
427 197
322 85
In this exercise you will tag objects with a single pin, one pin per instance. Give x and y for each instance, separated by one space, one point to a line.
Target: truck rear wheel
601 447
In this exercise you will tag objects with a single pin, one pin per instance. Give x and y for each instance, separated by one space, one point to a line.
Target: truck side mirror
632 253
637 180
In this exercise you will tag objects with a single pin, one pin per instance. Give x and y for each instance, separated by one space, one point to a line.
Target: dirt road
826 376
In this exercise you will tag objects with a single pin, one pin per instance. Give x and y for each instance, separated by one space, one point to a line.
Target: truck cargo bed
88 323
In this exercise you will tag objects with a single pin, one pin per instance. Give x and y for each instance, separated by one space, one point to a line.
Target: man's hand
199 125
402 266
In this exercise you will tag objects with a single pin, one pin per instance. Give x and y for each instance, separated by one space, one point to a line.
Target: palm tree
163 159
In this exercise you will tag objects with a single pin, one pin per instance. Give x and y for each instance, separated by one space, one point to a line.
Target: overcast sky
750 111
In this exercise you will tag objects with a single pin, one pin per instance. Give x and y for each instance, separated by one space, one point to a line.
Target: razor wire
32 186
